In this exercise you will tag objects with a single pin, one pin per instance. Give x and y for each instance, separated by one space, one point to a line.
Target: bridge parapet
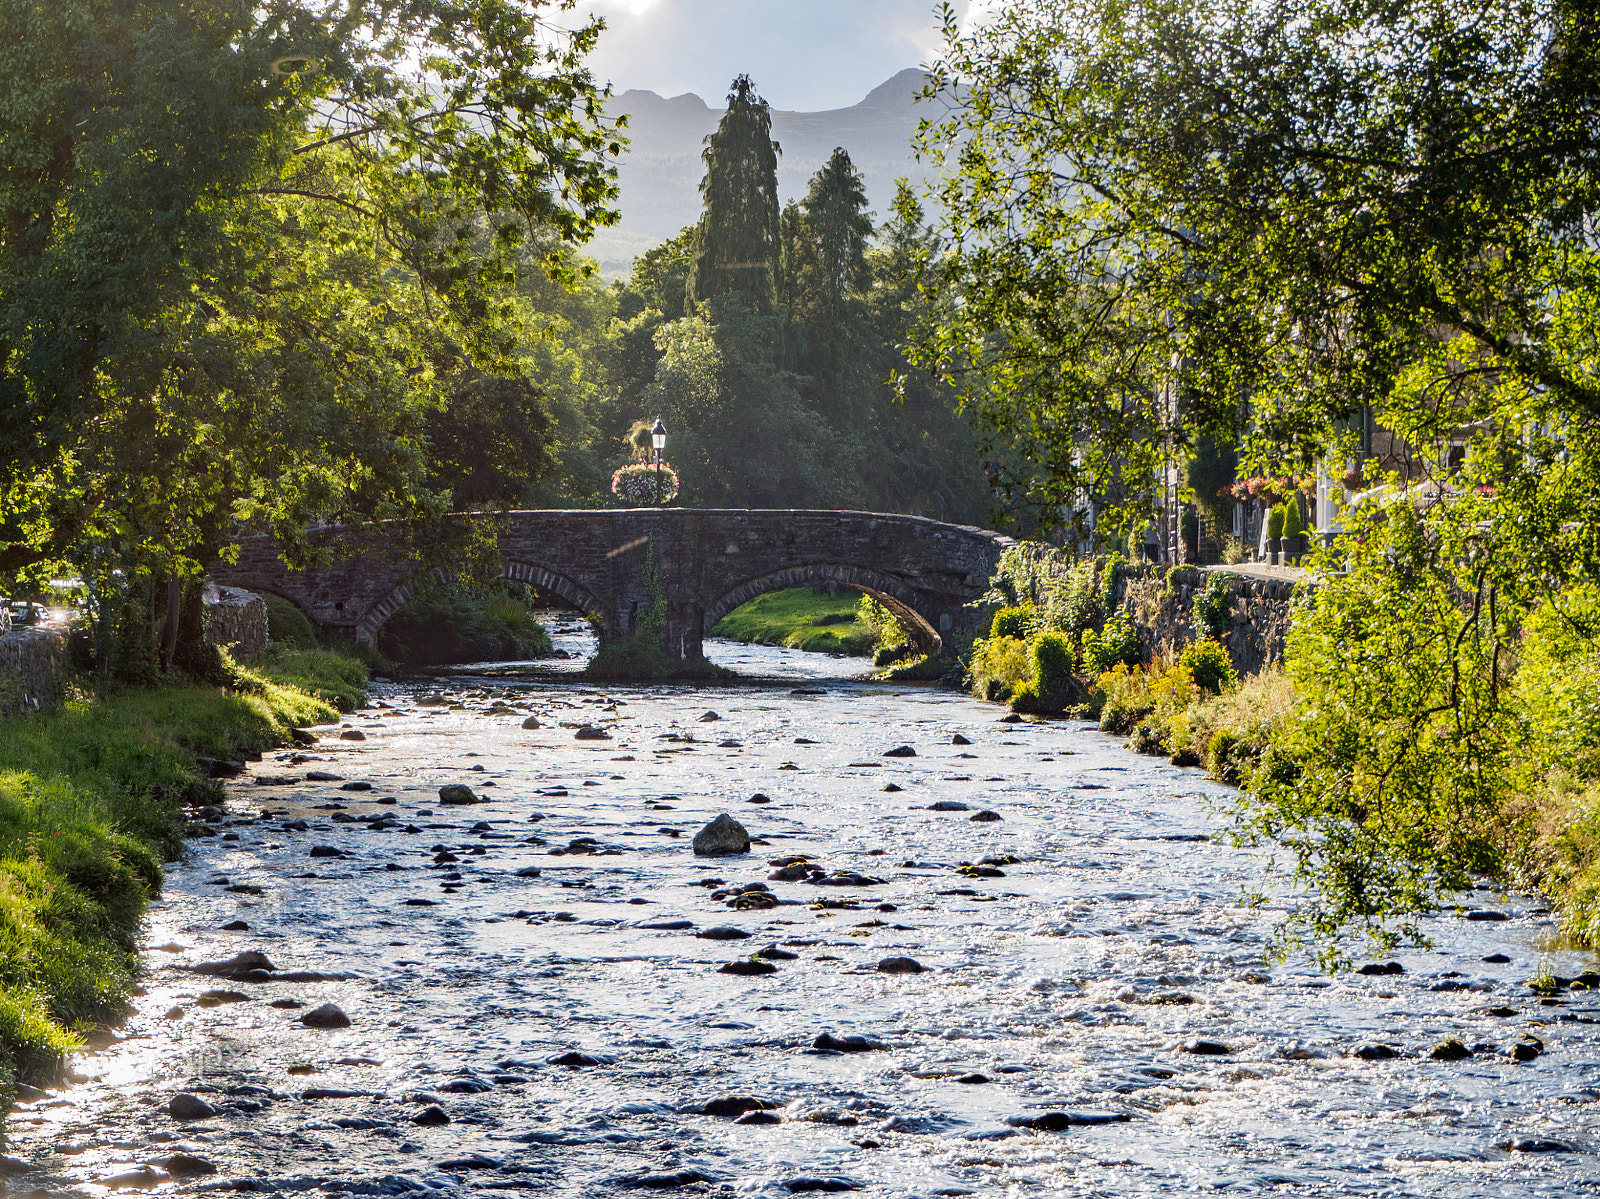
702 563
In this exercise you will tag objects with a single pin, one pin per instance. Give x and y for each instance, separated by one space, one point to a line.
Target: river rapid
532 1005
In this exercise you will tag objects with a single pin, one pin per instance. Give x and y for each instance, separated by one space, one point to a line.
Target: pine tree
840 226
736 242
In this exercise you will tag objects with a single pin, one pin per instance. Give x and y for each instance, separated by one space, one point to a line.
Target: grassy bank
808 618
92 797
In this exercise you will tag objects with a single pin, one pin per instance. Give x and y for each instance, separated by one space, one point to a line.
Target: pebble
774 954
327 1016
322 776
186 1165
759 1118
456 794
1374 968
431 1116
576 1060
1375 1052
984 817
708 717
590 732
1214 1048
900 751
722 836
1058 1121
758 798
326 851
949 805
531 723
352 735
958 739
1449 1050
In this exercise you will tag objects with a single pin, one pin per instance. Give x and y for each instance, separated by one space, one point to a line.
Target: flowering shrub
637 484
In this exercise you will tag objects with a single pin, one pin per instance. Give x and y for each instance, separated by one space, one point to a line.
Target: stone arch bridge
705 562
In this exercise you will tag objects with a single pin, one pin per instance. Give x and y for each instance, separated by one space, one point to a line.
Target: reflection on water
1093 1014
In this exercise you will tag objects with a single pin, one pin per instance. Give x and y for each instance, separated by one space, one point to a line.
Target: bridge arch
886 589
368 627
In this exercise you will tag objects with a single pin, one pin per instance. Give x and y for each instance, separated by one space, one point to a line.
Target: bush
287 624
1116 643
1052 686
1275 520
999 666
1209 666
456 623
1294 525
1213 607
1018 621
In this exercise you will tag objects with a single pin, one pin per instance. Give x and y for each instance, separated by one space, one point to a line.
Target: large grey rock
185 1106
724 835
456 793
326 1016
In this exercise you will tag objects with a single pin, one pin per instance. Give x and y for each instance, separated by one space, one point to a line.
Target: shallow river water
532 1007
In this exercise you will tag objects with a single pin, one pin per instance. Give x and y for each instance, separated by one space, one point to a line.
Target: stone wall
238 619
1160 602
33 663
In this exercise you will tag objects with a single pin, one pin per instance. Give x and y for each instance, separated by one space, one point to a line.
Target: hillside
661 171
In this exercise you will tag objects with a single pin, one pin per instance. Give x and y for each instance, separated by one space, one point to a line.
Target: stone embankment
1160 600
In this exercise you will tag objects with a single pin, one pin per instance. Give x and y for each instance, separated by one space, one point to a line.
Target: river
532 1005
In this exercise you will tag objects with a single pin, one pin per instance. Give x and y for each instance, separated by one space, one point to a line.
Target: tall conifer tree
836 213
736 242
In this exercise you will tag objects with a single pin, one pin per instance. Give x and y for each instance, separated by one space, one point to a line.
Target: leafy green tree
736 241
1177 217
1182 219
233 242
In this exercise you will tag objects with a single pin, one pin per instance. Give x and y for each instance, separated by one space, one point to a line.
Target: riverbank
96 793
804 618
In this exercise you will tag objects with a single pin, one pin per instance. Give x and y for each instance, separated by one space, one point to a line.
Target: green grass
800 618
91 796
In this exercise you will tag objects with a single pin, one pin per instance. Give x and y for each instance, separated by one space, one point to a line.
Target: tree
736 242
1250 221
840 226
232 241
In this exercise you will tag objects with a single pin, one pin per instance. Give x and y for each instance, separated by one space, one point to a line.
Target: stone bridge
706 563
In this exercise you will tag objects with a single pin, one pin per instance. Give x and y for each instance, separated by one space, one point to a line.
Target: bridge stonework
706 563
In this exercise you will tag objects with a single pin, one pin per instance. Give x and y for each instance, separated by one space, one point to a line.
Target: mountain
661 171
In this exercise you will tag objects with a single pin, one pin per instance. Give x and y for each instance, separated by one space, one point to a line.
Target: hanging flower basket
642 484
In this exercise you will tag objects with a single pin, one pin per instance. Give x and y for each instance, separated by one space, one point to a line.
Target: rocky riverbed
961 957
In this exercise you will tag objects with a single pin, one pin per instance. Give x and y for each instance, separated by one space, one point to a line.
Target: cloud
804 55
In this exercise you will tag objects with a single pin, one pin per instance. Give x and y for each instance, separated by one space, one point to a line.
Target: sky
804 55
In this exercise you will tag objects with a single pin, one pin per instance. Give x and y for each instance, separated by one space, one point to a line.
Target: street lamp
658 443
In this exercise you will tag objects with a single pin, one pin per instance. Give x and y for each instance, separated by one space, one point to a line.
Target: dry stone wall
238 619
33 664
1160 602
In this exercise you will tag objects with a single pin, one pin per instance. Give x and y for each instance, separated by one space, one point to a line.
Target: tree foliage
1176 218
244 251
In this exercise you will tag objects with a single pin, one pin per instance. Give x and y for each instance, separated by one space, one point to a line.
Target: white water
1069 983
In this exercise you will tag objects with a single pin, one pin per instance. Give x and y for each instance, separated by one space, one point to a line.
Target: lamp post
658 443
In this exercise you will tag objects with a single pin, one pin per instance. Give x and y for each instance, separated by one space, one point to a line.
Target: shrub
1209 666
1052 686
1117 642
287 624
1213 607
1019 621
999 666
1294 525
1275 519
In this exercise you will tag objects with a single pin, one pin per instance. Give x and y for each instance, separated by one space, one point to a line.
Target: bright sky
804 55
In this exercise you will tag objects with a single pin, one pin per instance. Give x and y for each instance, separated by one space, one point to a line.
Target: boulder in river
734 1105
984 817
722 836
958 739
850 1044
352 735
531 723
747 966
1204 1047
900 966
900 751
456 794
708 718
591 732
722 933
239 963
327 1016
184 1106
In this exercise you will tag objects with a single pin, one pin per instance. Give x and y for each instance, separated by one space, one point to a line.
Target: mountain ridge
659 174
